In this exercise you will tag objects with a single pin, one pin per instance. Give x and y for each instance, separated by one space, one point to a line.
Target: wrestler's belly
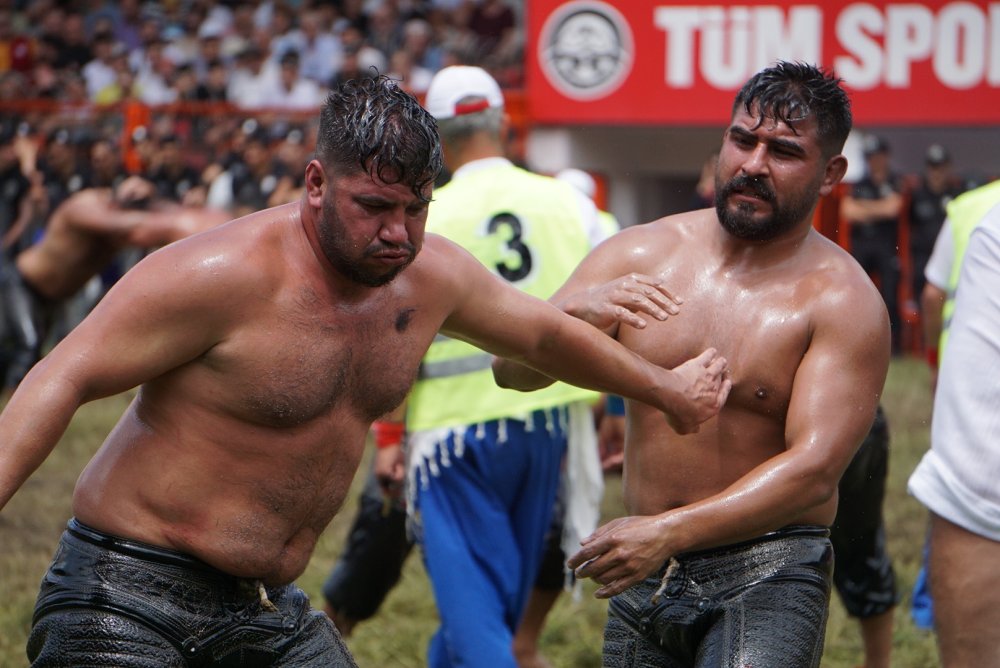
236 535
243 511
663 471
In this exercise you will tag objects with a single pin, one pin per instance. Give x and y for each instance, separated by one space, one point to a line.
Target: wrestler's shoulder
245 249
835 280
665 234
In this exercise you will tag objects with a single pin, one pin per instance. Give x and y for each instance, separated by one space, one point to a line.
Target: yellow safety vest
527 229
964 213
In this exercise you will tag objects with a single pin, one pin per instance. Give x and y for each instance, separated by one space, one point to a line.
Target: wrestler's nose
755 163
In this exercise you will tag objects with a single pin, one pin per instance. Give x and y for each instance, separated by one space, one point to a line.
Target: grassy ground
397 637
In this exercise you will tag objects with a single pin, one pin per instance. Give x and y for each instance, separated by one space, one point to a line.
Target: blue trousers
483 517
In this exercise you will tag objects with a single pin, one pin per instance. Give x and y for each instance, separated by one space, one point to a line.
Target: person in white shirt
957 478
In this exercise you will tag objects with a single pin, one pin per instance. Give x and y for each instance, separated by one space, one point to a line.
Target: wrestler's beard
344 257
740 222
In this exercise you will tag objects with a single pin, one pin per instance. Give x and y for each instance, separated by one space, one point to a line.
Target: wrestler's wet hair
372 124
790 92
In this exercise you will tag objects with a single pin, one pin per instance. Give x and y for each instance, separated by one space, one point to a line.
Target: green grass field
397 637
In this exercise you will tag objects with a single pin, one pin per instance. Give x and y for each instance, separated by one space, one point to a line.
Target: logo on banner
586 49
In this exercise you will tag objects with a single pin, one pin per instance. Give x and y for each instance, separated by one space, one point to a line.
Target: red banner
676 63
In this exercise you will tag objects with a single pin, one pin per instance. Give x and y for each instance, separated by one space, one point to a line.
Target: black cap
937 155
875 144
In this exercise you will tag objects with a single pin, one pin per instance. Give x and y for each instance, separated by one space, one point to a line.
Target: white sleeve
591 222
938 268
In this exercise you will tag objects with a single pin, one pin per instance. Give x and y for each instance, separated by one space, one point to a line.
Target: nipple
760 393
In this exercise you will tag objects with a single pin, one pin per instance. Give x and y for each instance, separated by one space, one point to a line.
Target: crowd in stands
190 88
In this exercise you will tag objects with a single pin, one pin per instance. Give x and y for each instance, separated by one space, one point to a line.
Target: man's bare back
85 233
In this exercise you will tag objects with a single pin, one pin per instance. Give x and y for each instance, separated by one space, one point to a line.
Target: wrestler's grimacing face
371 230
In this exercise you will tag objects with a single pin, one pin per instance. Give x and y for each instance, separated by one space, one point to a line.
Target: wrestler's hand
621 553
390 470
705 386
623 300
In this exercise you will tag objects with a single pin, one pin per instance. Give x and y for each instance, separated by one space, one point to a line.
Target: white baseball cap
453 84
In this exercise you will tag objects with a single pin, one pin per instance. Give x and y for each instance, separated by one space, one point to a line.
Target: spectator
21 196
928 201
124 86
154 74
292 90
956 479
183 36
100 72
253 175
61 169
76 48
172 177
418 40
184 83
384 30
320 52
150 32
127 17
352 67
413 78
18 50
494 24
209 47
252 79
368 58
106 170
872 209
241 33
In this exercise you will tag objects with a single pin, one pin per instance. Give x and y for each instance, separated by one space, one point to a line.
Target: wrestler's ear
316 183
835 169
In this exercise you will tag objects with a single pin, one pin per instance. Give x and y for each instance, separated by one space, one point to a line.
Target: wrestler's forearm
775 494
31 424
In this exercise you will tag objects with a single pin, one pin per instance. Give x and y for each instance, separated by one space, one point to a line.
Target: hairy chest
307 360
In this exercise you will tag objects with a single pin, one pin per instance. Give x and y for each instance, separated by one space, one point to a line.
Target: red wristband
932 357
388 434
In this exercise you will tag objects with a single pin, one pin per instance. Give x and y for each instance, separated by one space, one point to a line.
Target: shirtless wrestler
725 558
264 349
82 238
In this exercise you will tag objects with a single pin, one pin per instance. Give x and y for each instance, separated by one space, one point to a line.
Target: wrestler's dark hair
372 124
790 92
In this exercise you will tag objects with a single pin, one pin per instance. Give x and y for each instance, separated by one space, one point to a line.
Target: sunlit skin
803 329
262 365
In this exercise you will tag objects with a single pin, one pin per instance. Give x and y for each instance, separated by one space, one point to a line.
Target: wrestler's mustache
750 185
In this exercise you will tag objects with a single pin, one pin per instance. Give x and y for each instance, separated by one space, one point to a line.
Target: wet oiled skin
760 321
242 455
803 331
